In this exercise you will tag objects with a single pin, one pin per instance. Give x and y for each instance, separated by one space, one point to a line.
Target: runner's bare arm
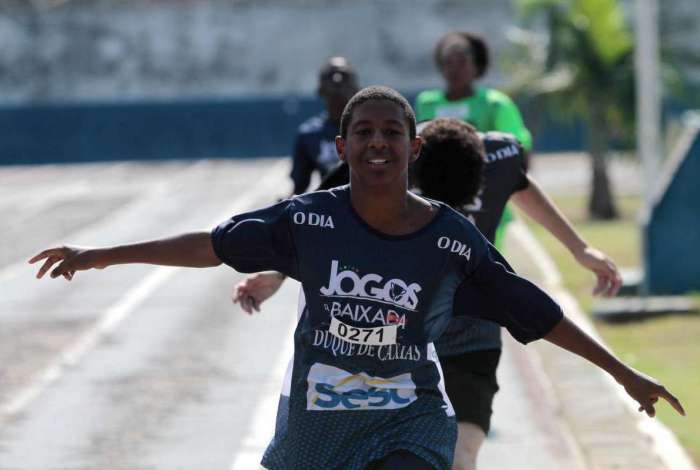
536 204
645 390
188 250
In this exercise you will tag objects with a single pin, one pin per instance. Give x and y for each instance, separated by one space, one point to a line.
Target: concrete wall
165 49
121 79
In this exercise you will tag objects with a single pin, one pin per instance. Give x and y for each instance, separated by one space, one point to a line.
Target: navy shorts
470 382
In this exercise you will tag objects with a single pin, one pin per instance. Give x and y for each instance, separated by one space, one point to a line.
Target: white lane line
262 424
19 267
36 201
109 321
148 196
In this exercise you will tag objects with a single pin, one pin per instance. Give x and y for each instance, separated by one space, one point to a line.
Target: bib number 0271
377 336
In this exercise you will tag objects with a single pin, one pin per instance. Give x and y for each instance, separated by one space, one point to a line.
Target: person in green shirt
463 58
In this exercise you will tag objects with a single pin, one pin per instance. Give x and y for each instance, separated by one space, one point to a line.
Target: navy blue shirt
505 173
365 380
314 150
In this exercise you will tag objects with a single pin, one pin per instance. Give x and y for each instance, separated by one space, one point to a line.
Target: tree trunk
601 204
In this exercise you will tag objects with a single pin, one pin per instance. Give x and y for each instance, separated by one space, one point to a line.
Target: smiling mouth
378 161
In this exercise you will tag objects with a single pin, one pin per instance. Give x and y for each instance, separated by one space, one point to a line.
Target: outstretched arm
495 293
535 203
188 250
645 390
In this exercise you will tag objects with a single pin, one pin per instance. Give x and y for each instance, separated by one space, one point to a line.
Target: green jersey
487 110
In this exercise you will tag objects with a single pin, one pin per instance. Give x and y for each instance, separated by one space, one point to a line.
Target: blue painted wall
142 130
672 233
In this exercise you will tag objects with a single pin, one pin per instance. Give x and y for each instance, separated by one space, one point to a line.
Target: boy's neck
391 210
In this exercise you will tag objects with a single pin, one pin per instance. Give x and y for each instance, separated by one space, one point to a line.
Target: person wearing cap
314 147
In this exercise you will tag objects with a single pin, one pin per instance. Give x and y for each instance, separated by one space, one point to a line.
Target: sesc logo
372 397
350 284
331 388
454 246
313 219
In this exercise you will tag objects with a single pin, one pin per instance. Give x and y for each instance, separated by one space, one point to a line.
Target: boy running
381 270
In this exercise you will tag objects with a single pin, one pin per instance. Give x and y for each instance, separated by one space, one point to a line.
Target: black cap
337 76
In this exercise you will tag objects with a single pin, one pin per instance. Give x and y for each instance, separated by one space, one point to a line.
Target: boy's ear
416 145
340 147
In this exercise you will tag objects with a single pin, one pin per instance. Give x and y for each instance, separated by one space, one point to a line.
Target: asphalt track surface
145 367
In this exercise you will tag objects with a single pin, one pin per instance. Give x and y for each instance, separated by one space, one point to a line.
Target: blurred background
264 56
207 96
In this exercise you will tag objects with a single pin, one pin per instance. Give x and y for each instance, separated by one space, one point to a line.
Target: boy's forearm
567 335
537 205
188 250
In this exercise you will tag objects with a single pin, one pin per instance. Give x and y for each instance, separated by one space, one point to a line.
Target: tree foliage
582 66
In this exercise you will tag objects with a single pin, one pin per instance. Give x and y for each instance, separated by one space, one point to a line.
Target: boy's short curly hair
451 163
476 45
377 93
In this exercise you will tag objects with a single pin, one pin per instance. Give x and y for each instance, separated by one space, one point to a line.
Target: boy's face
457 67
378 147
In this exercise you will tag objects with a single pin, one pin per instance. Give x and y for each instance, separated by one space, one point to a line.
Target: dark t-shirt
505 173
314 150
365 379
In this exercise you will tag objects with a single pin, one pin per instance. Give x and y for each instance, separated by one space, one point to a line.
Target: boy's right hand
255 289
71 259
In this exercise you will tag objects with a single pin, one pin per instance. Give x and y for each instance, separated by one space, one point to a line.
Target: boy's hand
608 277
647 391
71 258
255 289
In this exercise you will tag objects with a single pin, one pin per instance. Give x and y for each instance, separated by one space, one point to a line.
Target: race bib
376 336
